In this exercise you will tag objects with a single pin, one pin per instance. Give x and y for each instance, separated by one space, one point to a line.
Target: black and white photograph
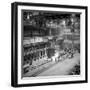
50 44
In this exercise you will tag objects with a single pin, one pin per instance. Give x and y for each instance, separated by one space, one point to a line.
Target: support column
45 52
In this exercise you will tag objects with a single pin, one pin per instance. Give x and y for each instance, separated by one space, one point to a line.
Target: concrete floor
62 68
54 69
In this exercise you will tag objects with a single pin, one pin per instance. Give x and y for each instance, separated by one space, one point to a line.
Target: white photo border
32 80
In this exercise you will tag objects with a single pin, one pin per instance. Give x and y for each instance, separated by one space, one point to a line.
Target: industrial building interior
49 38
